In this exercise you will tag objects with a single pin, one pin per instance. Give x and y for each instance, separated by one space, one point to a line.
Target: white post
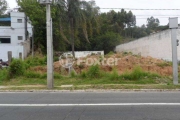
173 24
50 75
174 56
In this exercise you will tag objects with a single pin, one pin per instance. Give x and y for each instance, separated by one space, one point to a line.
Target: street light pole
50 73
32 41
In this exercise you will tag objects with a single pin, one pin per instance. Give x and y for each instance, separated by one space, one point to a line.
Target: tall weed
137 74
3 74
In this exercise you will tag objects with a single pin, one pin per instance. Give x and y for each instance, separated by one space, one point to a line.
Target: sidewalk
91 88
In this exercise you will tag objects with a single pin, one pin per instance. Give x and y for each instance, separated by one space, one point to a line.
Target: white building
16 37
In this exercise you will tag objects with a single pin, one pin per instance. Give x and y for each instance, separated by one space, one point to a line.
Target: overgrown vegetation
3 75
32 71
22 75
32 74
138 74
35 61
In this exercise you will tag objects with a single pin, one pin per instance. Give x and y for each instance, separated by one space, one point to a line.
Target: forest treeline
80 25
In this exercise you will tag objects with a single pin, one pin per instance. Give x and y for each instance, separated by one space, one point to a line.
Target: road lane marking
100 104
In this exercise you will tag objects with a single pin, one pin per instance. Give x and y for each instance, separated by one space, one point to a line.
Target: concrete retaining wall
157 45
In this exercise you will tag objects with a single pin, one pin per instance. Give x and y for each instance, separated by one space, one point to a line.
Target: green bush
137 74
16 68
94 72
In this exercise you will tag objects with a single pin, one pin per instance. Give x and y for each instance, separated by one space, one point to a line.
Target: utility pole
32 41
50 74
173 25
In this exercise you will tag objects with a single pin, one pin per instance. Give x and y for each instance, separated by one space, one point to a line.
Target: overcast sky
141 15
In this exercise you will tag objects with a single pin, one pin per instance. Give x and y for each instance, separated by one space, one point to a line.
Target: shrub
94 72
16 68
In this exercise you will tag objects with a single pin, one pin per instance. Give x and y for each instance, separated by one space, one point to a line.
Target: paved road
90 106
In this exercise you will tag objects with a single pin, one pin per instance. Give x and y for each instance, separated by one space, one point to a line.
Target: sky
141 15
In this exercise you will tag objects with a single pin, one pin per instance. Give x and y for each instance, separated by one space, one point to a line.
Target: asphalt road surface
90 106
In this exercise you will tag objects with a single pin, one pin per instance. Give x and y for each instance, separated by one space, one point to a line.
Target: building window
20 37
19 20
5 40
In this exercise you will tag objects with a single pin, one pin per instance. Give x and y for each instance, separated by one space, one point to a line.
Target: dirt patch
125 62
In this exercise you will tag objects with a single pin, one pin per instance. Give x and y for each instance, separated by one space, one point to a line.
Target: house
15 34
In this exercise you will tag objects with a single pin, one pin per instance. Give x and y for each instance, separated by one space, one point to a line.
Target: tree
37 15
3 6
152 24
91 12
73 18
107 42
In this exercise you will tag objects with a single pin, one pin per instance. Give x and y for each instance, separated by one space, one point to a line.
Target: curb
91 90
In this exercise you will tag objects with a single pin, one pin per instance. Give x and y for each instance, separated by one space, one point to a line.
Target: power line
19 27
137 15
139 9
157 15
